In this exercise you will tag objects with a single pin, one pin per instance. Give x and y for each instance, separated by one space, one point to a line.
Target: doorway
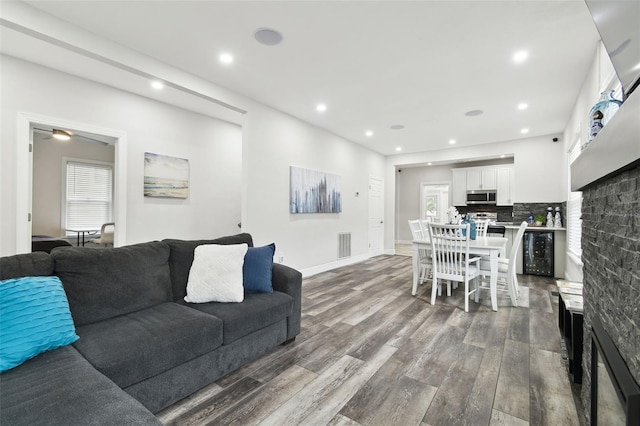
434 201
72 182
27 123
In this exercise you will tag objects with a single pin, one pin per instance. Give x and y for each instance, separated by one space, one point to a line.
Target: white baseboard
308 272
404 241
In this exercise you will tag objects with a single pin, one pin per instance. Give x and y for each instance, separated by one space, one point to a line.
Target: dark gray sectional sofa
141 347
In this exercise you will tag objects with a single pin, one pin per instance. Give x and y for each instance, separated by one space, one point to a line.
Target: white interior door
376 215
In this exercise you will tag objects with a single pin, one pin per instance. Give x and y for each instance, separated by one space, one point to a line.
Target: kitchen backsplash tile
521 211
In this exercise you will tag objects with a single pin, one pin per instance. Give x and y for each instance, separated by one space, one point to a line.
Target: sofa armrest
288 280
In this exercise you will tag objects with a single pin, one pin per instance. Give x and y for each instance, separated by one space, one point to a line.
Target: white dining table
492 247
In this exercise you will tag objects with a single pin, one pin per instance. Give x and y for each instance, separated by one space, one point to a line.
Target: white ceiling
422 64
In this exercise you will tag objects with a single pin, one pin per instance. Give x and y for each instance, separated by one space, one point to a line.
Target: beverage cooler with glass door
537 251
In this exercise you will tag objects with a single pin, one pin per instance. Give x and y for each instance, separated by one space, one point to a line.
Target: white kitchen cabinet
481 178
504 187
459 187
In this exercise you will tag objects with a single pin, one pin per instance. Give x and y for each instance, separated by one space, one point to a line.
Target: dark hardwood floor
372 354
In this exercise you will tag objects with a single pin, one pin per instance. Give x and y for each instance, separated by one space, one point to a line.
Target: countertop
511 225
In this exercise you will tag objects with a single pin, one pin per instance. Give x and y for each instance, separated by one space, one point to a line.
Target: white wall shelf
614 149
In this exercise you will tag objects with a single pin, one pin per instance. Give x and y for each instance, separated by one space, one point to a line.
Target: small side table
90 231
570 318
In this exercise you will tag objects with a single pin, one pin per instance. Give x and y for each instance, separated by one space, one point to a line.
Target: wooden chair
451 261
507 278
419 233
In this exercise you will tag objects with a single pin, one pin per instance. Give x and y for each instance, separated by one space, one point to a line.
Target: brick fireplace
611 257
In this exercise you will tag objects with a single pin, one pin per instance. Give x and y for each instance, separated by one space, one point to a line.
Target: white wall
48 175
408 189
213 147
236 174
408 194
273 142
539 165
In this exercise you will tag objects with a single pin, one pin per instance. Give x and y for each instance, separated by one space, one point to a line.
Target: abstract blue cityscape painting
314 192
165 176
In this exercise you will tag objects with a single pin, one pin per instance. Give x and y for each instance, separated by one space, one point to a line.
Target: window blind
574 209
89 195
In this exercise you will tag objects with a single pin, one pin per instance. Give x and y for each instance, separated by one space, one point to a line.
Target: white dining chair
106 234
451 261
418 232
481 227
507 278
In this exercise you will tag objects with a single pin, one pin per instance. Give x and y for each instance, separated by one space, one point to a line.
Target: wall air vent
344 245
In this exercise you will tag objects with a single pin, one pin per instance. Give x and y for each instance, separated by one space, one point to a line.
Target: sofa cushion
134 347
26 265
257 269
60 387
258 310
181 258
105 283
216 274
34 318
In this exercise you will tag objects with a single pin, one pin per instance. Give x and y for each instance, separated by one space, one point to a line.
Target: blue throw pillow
34 318
257 269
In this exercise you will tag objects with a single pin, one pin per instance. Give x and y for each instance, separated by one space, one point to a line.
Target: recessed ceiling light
226 58
473 112
502 156
523 106
158 85
398 148
524 131
452 141
397 127
321 107
267 36
520 56
428 164
369 133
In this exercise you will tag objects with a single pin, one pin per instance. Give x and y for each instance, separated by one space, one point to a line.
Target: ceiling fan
65 135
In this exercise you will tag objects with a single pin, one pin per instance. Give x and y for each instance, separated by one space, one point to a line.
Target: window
88 199
574 209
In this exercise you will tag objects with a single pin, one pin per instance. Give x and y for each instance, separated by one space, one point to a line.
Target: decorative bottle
549 220
558 219
602 112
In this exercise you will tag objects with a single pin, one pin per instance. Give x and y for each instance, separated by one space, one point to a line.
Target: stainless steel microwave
481 197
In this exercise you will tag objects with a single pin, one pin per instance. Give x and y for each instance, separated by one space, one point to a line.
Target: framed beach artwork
313 191
165 176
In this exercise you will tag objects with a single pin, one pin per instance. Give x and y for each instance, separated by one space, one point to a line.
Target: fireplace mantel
615 149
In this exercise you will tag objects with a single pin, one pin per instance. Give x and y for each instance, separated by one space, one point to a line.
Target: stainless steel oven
481 197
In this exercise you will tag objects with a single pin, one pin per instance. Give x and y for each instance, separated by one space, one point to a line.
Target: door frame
382 207
439 183
24 174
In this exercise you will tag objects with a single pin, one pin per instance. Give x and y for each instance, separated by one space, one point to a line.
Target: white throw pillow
216 274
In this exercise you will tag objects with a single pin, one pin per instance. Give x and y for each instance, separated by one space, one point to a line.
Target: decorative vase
602 112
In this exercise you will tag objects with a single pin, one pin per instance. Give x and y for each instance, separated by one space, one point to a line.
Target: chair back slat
417 230
515 247
481 227
450 248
